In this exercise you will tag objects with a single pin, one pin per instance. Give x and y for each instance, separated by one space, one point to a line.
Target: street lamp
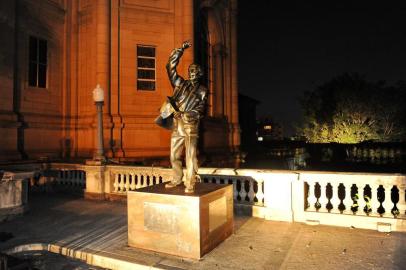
98 97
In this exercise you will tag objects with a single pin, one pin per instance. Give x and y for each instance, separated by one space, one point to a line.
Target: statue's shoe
172 184
189 190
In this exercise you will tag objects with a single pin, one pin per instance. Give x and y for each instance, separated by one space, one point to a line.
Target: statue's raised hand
186 45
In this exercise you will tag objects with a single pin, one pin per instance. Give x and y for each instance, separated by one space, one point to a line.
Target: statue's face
195 72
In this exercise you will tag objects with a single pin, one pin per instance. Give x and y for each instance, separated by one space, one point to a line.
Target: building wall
37 113
94 42
8 119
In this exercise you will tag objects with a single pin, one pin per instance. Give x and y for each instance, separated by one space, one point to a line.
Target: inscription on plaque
160 217
217 213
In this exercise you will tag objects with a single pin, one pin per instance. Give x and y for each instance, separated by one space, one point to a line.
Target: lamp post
98 97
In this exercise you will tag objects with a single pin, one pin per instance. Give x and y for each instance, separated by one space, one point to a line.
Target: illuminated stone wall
94 42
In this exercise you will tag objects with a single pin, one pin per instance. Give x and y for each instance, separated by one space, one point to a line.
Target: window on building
146 78
37 69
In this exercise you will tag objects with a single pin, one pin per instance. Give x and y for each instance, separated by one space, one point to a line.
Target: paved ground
101 228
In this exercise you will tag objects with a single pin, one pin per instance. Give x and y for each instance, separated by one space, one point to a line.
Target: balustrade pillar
138 184
243 192
251 193
235 190
132 186
127 182
260 193
387 203
95 182
323 197
335 200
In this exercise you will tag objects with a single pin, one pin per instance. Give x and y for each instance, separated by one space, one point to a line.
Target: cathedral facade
55 52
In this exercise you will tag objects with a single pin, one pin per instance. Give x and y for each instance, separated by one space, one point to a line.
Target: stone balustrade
375 154
125 178
333 198
13 193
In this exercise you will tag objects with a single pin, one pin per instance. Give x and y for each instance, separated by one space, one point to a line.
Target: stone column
278 196
235 127
95 182
218 52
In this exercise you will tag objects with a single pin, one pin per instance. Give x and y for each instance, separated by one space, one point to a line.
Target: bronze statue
182 113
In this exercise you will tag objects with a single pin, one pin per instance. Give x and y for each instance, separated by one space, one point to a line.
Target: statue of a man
182 113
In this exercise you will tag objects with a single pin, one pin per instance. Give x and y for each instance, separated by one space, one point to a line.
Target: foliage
348 109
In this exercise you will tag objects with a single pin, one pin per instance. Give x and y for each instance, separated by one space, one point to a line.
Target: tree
348 109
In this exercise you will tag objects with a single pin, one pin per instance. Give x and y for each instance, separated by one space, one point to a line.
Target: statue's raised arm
173 61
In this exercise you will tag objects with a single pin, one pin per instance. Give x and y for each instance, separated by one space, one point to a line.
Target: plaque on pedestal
189 225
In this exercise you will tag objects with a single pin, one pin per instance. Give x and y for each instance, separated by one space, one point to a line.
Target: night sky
286 49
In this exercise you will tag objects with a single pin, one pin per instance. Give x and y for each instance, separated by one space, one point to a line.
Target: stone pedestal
95 178
176 223
13 193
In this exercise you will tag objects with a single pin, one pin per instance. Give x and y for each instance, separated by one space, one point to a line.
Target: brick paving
101 228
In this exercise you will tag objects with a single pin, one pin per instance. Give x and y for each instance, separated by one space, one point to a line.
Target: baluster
392 155
387 203
68 178
371 155
378 155
75 178
323 198
311 196
115 185
79 178
132 186
402 203
365 153
121 184
144 180
127 181
119 179
59 177
251 193
398 155
361 201
83 178
235 190
347 199
374 199
71 178
138 181
154 179
260 193
61 174
335 201
385 155
243 192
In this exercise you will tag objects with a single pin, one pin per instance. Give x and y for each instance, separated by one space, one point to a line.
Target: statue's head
195 72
